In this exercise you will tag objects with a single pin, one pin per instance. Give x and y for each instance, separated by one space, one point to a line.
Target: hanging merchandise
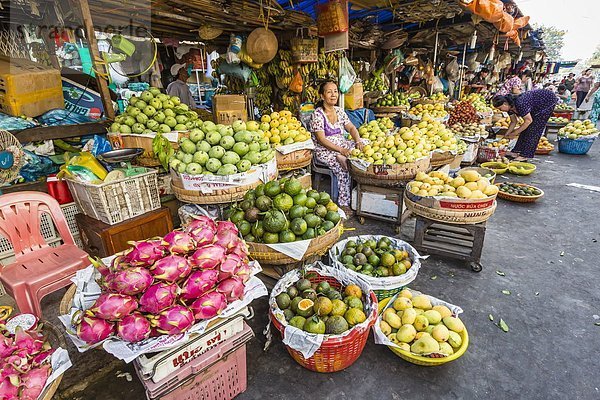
452 69
297 83
332 17
235 44
489 10
347 75
472 61
262 45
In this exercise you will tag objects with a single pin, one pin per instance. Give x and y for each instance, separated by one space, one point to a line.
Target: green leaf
506 292
433 278
491 317
537 293
503 325
597 323
500 273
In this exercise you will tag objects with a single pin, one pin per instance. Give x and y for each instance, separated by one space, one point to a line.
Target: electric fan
12 157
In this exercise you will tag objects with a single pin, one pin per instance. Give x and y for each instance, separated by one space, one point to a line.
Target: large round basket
389 109
390 175
56 339
441 158
294 160
261 45
221 196
575 146
428 361
336 352
450 216
318 247
517 198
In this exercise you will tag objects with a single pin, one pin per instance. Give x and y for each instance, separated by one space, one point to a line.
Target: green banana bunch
162 149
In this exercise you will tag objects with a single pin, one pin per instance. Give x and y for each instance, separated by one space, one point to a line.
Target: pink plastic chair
38 269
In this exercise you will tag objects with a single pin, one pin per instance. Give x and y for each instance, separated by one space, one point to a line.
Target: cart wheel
361 220
476 267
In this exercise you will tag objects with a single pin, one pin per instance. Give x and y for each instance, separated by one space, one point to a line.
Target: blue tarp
357 117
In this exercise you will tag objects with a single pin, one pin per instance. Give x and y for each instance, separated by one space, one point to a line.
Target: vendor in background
582 85
479 82
513 85
328 125
179 86
594 93
564 95
569 82
535 107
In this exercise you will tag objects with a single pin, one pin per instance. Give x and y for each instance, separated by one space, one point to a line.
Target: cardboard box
353 100
28 88
228 108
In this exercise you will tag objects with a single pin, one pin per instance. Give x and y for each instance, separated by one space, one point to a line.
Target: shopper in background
179 86
513 85
569 82
594 94
535 107
328 125
563 94
527 81
582 85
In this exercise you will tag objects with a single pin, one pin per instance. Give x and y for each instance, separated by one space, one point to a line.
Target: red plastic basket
336 352
563 114
485 154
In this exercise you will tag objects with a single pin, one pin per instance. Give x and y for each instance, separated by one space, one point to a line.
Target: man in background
179 86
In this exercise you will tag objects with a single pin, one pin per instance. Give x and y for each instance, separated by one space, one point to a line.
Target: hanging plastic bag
452 70
472 61
347 75
297 83
437 86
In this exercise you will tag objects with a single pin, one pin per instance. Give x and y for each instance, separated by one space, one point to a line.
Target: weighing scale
123 158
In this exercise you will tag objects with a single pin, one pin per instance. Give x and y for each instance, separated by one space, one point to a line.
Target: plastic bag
36 167
347 75
506 23
452 70
240 71
489 10
296 85
437 85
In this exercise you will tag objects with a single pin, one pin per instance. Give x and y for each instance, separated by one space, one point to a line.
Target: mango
408 316
385 328
471 186
392 338
491 190
402 303
454 324
454 339
457 182
405 293
433 317
419 335
482 184
470 175
404 346
393 320
463 192
443 310
440 333
421 323
422 301
406 333
419 311
425 345
446 349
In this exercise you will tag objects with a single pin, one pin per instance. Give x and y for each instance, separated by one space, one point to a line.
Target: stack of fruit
544 145
376 258
163 286
395 99
436 98
222 149
464 113
505 122
578 129
469 184
473 130
519 189
562 107
417 326
321 309
461 147
498 144
25 360
154 111
407 144
281 128
479 103
558 120
283 212
375 83
376 128
435 111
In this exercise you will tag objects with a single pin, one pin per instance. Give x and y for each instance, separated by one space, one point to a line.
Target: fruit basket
432 359
575 146
383 286
486 154
220 196
529 198
387 175
439 158
498 167
294 160
389 109
334 352
521 168
449 215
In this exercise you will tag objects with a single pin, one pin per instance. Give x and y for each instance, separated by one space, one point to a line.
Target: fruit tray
517 198
387 175
543 152
389 109
450 210
498 167
521 168
432 360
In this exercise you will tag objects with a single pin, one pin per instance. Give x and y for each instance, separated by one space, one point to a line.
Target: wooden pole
90 34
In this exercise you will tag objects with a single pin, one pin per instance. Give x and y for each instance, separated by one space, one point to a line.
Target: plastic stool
318 170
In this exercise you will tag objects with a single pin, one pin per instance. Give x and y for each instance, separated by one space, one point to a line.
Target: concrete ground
548 252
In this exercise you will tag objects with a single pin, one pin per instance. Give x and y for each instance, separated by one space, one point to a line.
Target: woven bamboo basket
319 246
396 175
520 199
543 152
222 196
441 158
294 160
389 109
460 217
56 339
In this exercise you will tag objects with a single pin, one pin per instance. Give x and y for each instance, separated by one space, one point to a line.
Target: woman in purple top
583 85
535 107
328 125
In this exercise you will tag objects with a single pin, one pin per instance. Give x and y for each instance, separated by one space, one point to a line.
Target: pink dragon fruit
171 268
19 361
99 265
202 229
133 328
227 238
144 253
201 221
240 249
207 257
173 320
209 305
158 297
228 266
113 306
130 281
40 358
198 283
178 242
232 288
93 330
32 383
31 342
9 390
244 271
7 347
227 226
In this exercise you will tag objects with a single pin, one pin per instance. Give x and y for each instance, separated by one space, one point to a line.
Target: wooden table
103 240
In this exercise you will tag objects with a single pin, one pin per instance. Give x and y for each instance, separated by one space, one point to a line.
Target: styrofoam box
161 365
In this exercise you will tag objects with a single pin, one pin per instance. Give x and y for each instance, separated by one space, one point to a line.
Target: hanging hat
261 45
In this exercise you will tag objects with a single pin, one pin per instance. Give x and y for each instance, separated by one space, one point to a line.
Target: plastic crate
117 201
575 146
220 374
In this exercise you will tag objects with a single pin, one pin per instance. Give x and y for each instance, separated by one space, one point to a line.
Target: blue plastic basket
575 146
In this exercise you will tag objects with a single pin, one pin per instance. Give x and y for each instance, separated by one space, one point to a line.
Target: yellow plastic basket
428 361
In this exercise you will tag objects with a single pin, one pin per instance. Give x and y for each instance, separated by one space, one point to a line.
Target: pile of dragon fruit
164 286
25 359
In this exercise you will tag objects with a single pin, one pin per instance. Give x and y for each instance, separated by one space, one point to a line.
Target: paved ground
549 253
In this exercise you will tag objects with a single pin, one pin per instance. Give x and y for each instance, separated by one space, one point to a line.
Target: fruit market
294 199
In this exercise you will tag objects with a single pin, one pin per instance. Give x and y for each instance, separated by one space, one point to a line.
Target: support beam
102 68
